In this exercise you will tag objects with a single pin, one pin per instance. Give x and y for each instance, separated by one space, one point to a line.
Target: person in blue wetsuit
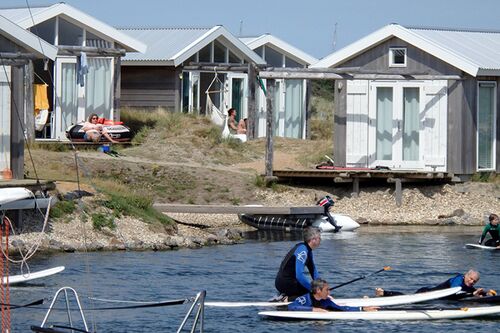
465 281
494 230
319 300
291 281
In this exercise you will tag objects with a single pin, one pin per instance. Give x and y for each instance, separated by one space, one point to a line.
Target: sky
309 25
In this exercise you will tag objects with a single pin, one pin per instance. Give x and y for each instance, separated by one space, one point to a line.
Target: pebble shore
445 205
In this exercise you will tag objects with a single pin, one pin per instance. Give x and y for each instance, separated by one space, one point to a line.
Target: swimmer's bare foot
379 292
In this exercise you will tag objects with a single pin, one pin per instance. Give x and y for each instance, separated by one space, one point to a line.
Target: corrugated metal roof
163 43
481 47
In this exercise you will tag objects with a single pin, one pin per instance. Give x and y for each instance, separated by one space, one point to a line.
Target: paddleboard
485 299
482 247
375 301
14 279
11 194
385 314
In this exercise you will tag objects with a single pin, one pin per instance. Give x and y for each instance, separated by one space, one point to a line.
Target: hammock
217 116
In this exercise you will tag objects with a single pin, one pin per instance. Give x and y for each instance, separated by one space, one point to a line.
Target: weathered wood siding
376 60
498 125
149 87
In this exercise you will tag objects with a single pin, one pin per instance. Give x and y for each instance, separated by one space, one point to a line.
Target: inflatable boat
116 129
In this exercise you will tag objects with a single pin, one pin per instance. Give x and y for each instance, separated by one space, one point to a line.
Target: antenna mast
334 37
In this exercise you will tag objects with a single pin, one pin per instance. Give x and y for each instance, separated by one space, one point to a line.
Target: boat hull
298 222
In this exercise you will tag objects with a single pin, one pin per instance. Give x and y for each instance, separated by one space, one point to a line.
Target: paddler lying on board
291 281
494 230
319 300
465 281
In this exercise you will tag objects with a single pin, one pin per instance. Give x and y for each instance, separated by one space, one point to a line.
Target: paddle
385 268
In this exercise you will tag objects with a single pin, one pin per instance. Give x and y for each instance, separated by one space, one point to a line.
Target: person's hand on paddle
371 308
479 292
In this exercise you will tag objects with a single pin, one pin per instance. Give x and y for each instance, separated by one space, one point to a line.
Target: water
246 272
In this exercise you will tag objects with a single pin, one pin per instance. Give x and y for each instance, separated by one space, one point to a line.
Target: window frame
494 147
391 56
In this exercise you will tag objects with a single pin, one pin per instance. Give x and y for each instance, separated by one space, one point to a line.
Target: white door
237 94
5 118
435 125
396 131
194 92
68 103
357 123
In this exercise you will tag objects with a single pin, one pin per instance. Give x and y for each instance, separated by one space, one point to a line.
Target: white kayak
14 279
11 194
375 301
482 247
385 314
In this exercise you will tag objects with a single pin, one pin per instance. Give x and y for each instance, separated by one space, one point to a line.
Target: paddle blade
387 268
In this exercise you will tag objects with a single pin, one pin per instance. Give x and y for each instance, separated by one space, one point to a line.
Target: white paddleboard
13 279
482 247
11 194
375 301
385 314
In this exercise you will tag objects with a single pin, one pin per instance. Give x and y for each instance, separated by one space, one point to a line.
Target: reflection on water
245 272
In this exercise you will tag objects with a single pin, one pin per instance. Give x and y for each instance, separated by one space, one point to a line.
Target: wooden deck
219 209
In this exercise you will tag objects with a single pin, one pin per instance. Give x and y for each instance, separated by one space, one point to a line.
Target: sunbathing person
93 130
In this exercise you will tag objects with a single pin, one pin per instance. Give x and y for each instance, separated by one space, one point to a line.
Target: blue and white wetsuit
307 302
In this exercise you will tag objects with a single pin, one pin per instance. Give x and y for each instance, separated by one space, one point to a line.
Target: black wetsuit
494 231
290 279
456 281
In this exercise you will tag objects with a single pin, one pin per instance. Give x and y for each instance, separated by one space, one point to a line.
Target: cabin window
486 126
233 59
205 54
259 51
219 52
292 63
46 30
273 57
69 34
397 57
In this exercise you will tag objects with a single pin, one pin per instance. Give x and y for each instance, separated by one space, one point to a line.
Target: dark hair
231 110
92 115
492 217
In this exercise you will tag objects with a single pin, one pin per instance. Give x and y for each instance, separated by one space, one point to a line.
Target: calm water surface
246 272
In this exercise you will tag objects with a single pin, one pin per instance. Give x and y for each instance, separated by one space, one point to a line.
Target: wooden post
29 105
399 192
252 109
117 89
271 85
355 187
16 127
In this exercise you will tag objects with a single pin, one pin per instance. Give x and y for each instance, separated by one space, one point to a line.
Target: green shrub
100 221
62 208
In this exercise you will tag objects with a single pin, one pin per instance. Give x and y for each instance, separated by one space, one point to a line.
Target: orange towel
41 99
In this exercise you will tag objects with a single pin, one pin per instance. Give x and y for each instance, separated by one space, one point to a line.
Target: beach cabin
18 49
418 99
290 99
84 78
162 77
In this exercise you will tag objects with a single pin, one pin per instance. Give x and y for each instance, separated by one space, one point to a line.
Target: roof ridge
478 30
163 28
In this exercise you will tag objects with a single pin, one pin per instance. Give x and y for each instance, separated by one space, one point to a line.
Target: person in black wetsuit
327 203
465 281
494 230
291 281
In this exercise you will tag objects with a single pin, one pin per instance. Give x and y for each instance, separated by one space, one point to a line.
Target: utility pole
334 37
241 28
